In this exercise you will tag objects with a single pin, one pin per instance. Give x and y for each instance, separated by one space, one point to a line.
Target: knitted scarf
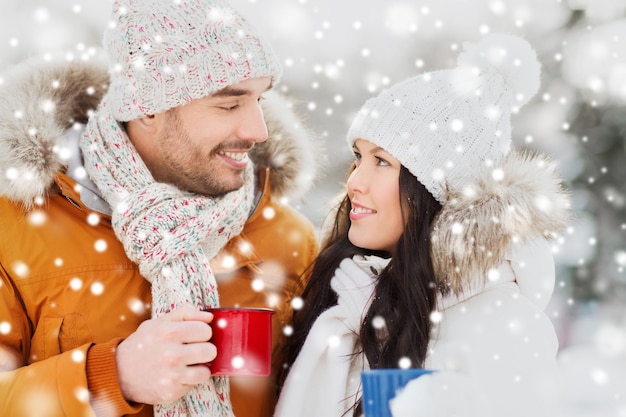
324 380
170 234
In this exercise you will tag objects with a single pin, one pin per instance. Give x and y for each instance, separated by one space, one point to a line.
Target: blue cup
381 385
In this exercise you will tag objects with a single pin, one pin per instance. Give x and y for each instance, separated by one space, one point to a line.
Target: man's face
203 146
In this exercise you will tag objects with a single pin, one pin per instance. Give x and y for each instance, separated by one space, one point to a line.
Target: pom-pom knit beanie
447 126
165 53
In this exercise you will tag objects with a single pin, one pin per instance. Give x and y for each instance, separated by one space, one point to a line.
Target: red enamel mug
243 338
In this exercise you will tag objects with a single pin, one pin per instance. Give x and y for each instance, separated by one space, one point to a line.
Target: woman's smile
359 212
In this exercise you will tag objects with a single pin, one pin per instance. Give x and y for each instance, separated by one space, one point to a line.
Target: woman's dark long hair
406 289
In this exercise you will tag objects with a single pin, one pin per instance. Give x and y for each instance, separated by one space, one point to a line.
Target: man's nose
253 127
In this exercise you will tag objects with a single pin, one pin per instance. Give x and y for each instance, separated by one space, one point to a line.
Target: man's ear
148 120
144 127
149 123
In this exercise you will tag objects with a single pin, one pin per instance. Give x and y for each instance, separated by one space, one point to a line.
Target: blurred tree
602 134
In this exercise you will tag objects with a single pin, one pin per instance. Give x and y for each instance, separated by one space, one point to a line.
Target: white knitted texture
317 381
170 234
448 126
165 53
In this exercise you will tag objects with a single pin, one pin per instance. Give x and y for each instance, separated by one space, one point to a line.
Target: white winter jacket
494 346
492 343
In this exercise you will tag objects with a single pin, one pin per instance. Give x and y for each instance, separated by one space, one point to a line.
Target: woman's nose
356 181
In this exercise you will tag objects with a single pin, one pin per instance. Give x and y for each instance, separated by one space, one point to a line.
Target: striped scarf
170 234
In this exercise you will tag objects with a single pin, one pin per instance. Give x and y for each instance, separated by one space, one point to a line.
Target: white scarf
170 234
317 384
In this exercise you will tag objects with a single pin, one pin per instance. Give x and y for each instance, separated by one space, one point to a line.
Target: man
85 258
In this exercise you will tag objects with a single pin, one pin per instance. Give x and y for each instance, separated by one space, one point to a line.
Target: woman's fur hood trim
39 100
521 200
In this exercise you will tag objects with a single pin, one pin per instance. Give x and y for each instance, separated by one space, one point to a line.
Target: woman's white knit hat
165 53
447 126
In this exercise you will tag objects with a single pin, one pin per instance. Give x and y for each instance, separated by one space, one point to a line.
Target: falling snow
337 54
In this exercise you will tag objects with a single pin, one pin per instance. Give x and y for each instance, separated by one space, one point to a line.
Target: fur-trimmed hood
40 100
479 225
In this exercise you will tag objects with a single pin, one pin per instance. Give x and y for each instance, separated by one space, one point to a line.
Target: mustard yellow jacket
69 294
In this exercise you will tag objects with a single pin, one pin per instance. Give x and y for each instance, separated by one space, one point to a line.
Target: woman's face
373 188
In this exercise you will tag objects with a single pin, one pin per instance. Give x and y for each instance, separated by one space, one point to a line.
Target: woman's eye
232 107
381 162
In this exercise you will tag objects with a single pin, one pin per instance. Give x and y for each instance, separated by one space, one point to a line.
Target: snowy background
337 53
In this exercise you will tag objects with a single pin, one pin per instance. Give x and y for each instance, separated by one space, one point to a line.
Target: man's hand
166 356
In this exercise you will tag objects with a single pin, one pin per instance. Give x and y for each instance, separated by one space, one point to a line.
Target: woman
438 256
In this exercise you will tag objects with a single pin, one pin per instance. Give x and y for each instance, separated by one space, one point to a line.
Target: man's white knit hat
447 126
165 53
